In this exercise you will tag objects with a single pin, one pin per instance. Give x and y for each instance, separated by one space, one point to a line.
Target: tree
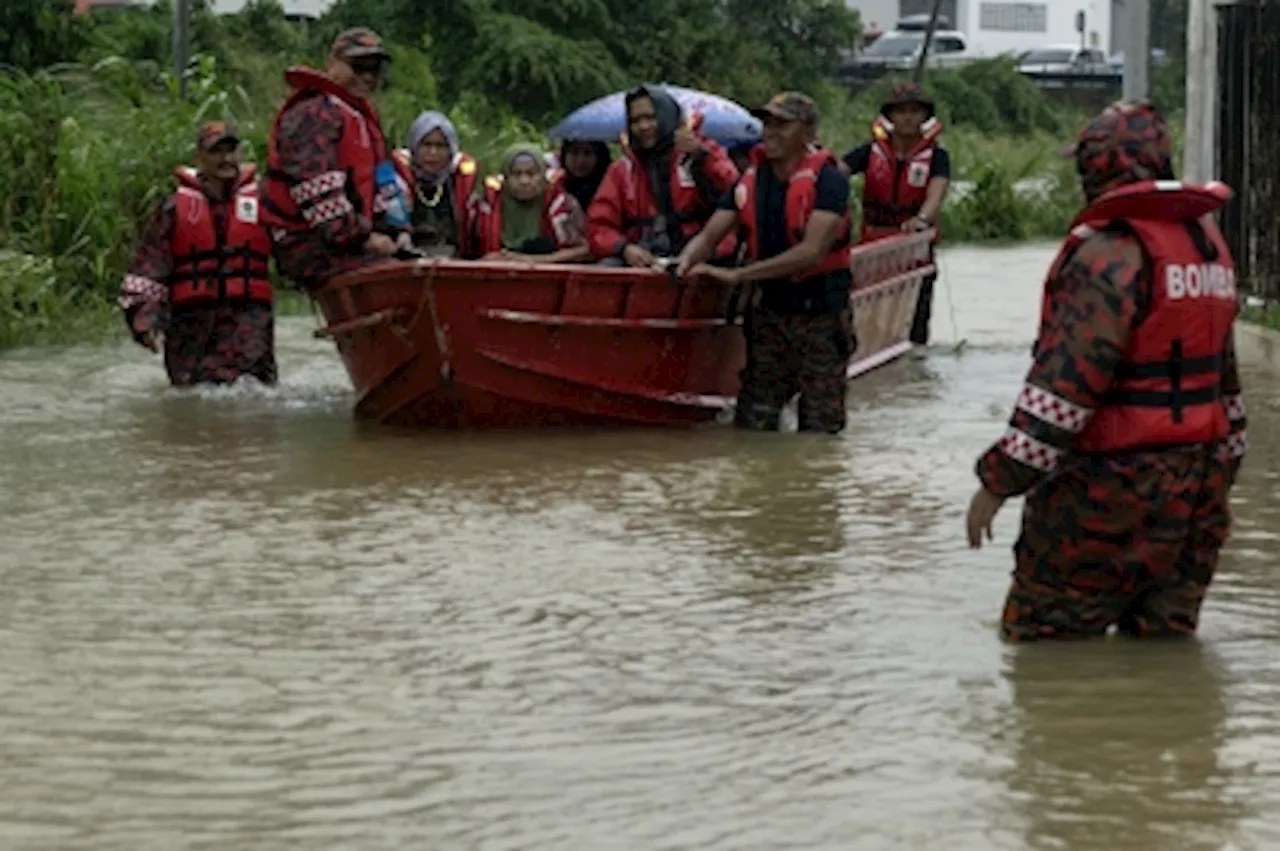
37 33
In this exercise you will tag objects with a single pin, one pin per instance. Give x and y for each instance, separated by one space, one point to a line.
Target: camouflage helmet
1128 142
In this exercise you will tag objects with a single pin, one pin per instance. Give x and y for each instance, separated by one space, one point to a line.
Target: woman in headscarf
582 168
664 188
443 179
522 217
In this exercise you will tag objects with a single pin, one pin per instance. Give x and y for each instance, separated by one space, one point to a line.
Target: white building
292 8
993 27
881 13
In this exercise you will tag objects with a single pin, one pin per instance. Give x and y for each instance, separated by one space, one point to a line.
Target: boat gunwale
450 268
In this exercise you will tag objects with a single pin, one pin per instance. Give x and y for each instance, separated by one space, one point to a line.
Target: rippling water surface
236 620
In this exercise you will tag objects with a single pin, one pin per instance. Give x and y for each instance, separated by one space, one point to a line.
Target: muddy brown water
236 620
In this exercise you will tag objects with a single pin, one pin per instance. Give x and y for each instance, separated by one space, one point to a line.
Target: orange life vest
802 192
1166 389
360 150
211 267
895 188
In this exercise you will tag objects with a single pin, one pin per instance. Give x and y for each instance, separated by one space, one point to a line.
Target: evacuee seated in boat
582 169
442 179
626 224
523 217
198 285
331 194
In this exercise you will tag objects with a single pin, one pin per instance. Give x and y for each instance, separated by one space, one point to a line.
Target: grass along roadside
1259 312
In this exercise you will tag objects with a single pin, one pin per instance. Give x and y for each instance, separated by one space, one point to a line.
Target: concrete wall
1057 16
883 13
1059 22
313 8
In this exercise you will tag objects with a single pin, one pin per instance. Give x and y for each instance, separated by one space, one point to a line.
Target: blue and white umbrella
605 118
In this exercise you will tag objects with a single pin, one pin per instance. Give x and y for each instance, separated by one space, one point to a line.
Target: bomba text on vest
1197 280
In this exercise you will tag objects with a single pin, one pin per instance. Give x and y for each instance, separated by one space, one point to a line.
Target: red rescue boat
458 344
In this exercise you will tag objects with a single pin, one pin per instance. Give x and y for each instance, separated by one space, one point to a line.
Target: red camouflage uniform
212 344
1127 539
1093 532
308 139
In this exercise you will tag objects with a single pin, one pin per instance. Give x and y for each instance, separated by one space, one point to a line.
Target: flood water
236 620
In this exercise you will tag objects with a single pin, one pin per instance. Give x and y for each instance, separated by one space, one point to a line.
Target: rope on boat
442 341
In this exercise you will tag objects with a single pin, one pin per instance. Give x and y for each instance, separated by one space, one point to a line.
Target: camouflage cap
904 93
357 43
1127 142
789 106
213 132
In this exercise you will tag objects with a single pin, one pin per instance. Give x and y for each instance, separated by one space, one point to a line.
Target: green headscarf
521 220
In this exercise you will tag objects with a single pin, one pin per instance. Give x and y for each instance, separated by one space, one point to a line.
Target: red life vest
555 204
895 188
465 173
640 208
802 192
360 150
1165 390
211 267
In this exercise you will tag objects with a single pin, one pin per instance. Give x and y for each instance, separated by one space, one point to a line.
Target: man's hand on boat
506 255
380 245
638 256
706 270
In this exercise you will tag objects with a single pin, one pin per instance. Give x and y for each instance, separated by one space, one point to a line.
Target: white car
899 50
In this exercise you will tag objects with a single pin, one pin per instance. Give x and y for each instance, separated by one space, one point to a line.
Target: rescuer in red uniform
626 223
1130 428
792 206
198 285
907 174
332 195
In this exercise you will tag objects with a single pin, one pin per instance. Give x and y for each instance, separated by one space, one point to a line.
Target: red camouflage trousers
1129 541
789 354
219 344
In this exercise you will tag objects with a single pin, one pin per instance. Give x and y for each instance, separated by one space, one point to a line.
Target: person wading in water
792 206
198 285
331 183
1130 428
907 174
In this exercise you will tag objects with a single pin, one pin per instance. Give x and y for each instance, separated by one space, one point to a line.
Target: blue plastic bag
390 187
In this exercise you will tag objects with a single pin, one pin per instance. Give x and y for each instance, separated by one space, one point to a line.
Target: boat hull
455 344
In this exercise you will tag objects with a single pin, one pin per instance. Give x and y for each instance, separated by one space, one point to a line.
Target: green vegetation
92 123
1266 315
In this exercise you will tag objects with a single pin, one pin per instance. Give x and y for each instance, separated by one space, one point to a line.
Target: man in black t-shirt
792 206
907 174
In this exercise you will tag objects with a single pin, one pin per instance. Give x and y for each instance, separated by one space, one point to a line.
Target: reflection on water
1121 720
235 619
